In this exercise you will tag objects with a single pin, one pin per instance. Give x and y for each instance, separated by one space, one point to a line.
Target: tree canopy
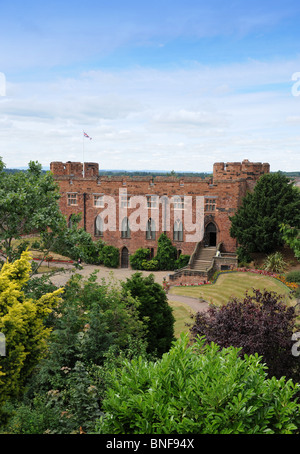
28 203
256 224
154 310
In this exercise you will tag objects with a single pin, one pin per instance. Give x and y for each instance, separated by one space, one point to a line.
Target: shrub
293 276
109 256
243 255
259 323
198 389
275 262
150 265
136 260
182 261
22 321
166 253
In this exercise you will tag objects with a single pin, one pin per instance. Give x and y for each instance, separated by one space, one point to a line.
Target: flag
85 135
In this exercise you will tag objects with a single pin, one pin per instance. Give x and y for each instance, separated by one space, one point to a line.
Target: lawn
226 287
232 285
35 253
181 314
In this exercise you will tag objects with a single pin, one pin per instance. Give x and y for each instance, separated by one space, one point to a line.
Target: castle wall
225 190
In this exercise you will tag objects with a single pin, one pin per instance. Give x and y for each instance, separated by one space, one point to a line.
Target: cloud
168 119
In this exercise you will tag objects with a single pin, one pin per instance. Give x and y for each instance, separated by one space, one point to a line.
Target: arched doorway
210 235
124 257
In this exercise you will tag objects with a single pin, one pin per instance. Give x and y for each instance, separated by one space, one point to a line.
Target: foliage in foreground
198 389
92 327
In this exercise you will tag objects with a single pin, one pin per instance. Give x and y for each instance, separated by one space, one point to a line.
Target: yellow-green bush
22 323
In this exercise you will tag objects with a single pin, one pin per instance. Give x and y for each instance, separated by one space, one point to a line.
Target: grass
233 285
181 314
38 254
226 287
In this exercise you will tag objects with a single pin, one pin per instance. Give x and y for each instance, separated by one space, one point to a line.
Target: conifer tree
22 324
257 223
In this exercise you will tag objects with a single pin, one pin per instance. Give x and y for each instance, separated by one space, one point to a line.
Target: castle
130 212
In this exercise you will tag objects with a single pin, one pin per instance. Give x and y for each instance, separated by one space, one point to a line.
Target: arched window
125 229
178 231
150 232
98 226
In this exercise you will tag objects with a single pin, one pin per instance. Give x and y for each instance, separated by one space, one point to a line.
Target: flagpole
83 151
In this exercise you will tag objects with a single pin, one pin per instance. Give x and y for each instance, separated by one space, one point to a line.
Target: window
98 200
178 231
178 202
152 201
150 232
125 201
98 226
210 204
125 230
72 198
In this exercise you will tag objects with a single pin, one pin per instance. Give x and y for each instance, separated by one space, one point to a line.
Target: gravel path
122 274
192 302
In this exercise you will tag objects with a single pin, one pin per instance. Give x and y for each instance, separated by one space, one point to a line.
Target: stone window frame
72 199
178 202
152 201
210 204
125 233
98 231
178 232
125 201
96 198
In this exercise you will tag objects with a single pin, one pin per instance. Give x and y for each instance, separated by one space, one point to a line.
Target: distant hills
294 174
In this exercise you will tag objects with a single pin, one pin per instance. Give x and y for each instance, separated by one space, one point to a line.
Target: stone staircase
199 268
203 258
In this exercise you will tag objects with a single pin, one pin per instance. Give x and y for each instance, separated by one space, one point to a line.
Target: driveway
121 274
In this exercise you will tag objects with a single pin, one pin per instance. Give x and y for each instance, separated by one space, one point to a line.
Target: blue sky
163 85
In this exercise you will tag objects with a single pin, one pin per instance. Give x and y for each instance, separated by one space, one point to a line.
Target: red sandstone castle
113 206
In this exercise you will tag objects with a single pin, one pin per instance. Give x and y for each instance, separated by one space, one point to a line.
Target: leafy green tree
28 203
92 327
154 309
166 254
91 318
198 389
256 224
291 236
74 242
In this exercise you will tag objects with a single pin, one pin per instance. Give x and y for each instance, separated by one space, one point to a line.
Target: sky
157 85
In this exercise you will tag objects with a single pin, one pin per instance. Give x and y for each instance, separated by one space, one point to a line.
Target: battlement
75 169
221 171
239 170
